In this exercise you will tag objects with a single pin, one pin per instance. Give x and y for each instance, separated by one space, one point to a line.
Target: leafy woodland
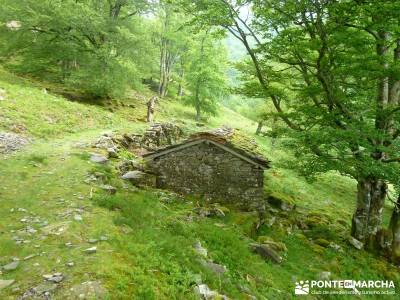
322 76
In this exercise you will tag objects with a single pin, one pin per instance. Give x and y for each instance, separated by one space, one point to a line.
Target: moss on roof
230 138
233 138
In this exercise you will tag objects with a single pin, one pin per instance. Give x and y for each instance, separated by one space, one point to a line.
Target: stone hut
219 166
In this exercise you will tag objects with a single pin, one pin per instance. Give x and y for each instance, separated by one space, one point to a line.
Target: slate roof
228 139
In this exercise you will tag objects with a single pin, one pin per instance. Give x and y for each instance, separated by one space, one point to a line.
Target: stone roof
228 139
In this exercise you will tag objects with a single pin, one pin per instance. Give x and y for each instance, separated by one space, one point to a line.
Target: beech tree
205 74
341 103
173 39
96 46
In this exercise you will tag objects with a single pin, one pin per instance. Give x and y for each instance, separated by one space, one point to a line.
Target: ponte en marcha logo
348 286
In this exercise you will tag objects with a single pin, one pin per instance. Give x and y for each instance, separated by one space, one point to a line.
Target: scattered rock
108 189
91 250
11 266
106 141
200 249
45 287
42 291
70 264
112 152
203 291
356 243
213 267
10 142
78 218
129 165
139 178
103 238
56 228
266 251
92 241
56 277
97 158
30 256
30 230
133 176
6 283
87 290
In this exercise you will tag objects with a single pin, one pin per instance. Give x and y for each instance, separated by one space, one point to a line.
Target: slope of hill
151 244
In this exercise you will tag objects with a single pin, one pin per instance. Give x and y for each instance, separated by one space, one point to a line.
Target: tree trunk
163 79
167 61
394 228
197 103
181 76
259 127
371 193
180 90
116 9
150 109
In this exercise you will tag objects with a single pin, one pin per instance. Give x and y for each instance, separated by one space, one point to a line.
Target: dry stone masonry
210 166
157 135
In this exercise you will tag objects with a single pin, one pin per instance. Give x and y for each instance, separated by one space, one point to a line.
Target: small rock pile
10 142
157 135
160 134
108 142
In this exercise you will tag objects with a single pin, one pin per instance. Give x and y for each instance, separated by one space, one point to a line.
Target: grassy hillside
146 237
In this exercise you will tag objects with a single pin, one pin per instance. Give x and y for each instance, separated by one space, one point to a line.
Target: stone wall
212 173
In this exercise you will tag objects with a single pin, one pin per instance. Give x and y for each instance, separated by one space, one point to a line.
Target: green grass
149 252
29 110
